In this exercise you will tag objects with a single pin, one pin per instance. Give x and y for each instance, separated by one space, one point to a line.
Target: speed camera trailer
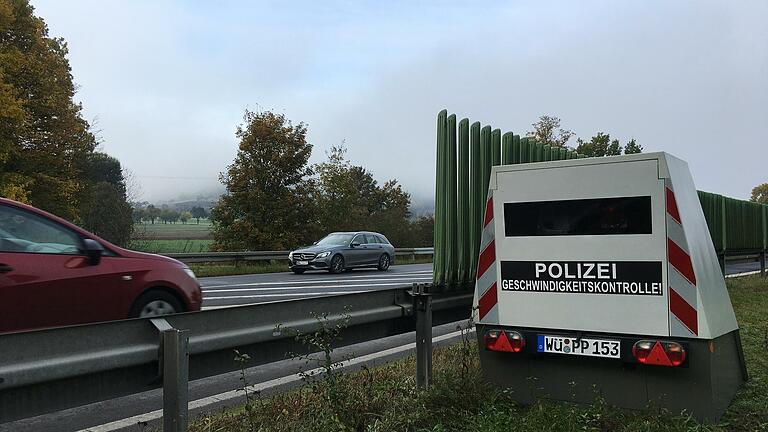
598 276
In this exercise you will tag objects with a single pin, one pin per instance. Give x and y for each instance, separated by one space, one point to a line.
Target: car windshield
336 239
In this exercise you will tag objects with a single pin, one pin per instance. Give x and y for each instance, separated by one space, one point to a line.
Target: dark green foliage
633 147
104 208
198 212
106 213
602 145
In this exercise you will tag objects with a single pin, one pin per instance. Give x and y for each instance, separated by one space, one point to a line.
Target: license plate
583 347
302 262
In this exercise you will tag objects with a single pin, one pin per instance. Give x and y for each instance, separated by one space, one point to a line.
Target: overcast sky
167 81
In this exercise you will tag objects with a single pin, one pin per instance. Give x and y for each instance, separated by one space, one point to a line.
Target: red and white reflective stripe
683 296
485 286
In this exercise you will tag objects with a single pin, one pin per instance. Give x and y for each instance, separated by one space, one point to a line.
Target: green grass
171 246
216 269
385 398
172 238
176 230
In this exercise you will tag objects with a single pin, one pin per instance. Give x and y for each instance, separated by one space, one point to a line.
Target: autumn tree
42 132
547 130
268 200
760 194
350 199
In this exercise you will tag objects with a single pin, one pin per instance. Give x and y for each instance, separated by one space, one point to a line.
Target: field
172 238
385 398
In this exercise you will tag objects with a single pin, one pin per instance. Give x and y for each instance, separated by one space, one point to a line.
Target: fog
166 83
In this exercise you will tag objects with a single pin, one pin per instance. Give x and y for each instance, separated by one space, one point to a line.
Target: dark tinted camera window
601 216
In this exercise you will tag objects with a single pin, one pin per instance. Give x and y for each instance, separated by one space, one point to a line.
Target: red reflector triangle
658 356
502 343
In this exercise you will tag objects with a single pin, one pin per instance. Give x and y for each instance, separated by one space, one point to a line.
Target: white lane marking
320 293
237 394
311 281
216 291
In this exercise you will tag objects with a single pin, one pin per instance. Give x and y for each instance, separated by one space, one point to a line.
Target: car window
360 238
372 238
21 231
382 240
336 239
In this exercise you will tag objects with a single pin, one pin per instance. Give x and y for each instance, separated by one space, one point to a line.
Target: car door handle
5 268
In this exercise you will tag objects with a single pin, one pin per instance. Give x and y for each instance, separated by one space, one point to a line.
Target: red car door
45 281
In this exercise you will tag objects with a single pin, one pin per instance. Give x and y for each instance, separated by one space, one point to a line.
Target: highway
225 291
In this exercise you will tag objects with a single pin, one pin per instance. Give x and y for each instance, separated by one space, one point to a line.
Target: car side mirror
354 245
314 243
93 251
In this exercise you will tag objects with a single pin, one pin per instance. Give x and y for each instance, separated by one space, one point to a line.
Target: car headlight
189 272
322 254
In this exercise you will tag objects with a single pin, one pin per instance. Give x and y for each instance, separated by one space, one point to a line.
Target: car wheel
155 303
298 271
383 262
337 264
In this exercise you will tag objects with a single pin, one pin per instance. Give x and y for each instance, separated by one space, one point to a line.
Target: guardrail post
423 309
762 264
722 259
175 380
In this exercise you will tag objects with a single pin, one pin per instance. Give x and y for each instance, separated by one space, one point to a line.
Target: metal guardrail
742 257
272 255
54 369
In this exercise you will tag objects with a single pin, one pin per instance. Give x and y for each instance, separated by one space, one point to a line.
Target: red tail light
504 341
659 353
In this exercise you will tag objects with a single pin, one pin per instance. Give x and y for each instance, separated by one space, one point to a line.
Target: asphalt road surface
227 291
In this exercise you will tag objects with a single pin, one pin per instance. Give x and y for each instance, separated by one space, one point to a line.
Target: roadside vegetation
386 399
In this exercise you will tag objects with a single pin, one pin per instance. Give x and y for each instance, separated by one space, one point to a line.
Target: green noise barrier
465 154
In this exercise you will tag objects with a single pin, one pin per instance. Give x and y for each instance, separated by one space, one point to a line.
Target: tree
139 214
104 208
153 213
185 216
106 213
351 192
198 213
633 147
602 145
760 194
547 130
42 132
268 201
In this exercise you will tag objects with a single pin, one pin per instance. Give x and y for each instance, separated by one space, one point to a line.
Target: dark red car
53 273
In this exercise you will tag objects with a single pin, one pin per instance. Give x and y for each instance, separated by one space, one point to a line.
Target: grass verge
385 398
230 269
